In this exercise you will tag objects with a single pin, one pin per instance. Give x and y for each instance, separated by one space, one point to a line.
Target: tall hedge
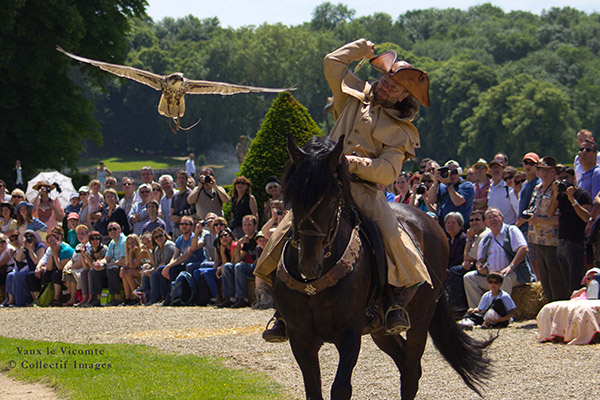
268 154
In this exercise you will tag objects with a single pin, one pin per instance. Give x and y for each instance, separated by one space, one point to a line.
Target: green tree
521 115
268 155
328 15
44 119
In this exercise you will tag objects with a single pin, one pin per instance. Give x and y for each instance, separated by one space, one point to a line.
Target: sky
237 13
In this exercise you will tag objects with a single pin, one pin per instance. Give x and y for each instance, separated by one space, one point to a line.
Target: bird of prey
174 87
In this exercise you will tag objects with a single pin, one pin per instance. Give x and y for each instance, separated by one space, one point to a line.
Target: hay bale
529 299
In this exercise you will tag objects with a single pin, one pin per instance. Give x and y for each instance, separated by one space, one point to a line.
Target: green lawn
131 163
118 371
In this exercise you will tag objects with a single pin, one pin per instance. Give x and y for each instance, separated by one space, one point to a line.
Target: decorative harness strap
344 266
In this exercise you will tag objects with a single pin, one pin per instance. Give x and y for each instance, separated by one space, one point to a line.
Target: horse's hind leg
394 346
348 348
306 353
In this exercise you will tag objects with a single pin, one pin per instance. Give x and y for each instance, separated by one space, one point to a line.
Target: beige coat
377 142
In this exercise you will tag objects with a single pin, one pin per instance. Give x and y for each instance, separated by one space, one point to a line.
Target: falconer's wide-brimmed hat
413 79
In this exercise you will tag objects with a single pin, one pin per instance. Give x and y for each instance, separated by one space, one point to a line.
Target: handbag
46 295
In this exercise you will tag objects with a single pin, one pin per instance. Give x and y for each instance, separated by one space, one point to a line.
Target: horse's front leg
348 348
306 352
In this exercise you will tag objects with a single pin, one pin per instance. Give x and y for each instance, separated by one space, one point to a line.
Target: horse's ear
335 157
296 152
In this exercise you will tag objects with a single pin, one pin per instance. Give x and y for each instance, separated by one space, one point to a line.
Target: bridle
329 235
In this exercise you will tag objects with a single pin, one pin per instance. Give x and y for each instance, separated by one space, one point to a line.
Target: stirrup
395 330
273 338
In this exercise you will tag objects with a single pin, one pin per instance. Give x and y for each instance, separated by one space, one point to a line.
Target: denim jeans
235 279
159 286
210 275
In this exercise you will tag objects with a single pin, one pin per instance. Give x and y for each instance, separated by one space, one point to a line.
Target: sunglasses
586 149
156 190
83 194
454 172
17 196
3 241
219 224
13 238
186 224
144 191
507 178
519 181
224 236
494 282
113 229
158 236
529 162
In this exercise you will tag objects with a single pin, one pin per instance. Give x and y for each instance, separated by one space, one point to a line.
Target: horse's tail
465 354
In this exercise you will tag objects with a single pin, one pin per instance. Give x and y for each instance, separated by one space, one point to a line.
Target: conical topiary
268 154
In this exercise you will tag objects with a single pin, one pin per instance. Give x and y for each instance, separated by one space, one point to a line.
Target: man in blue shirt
530 161
452 193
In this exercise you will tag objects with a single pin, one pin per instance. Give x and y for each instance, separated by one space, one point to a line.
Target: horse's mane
304 184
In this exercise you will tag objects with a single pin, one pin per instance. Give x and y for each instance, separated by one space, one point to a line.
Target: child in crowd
72 222
591 284
496 308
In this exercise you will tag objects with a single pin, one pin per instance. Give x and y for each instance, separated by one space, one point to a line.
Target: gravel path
523 369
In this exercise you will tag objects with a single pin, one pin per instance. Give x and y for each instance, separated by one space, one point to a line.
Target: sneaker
225 303
112 303
466 324
240 303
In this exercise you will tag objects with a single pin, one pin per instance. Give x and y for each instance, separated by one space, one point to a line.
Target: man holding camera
500 195
208 197
451 192
575 207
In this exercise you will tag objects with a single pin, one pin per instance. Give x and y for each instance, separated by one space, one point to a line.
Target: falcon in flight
174 87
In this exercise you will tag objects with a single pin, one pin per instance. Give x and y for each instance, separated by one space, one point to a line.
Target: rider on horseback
379 135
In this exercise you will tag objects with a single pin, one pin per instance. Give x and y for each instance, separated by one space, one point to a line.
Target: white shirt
505 201
190 168
497 258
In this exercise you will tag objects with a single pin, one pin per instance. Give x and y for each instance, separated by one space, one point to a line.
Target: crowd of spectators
526 223
102 249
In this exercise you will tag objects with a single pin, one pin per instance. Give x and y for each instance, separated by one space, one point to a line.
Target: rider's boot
396 315
277 333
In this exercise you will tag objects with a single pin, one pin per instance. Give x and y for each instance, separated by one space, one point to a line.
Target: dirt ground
523 367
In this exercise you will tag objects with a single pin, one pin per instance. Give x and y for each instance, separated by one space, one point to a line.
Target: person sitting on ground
50 268
74 268
7 221
454 278
182 257
496 308
591 286
112 212
208 197
48 210
162 253
157 192
7 265
72 222
27 256
457 239
105 272
153 221
147 176
74 204
503 250
90 258
136 255
227 244
242 203
236 273
138 216
26 221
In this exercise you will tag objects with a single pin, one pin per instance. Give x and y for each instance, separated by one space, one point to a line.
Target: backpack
202 291
183 290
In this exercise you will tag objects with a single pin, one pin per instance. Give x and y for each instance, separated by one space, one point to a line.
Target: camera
77 250
29 239
187 211
444 171
563 185
207 179
279 212
421 188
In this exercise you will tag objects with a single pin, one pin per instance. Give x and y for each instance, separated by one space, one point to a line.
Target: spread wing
138 75
209 87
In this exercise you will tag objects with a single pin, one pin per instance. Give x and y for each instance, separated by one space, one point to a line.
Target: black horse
323 299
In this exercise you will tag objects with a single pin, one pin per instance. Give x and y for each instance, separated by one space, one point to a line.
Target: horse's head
313 188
